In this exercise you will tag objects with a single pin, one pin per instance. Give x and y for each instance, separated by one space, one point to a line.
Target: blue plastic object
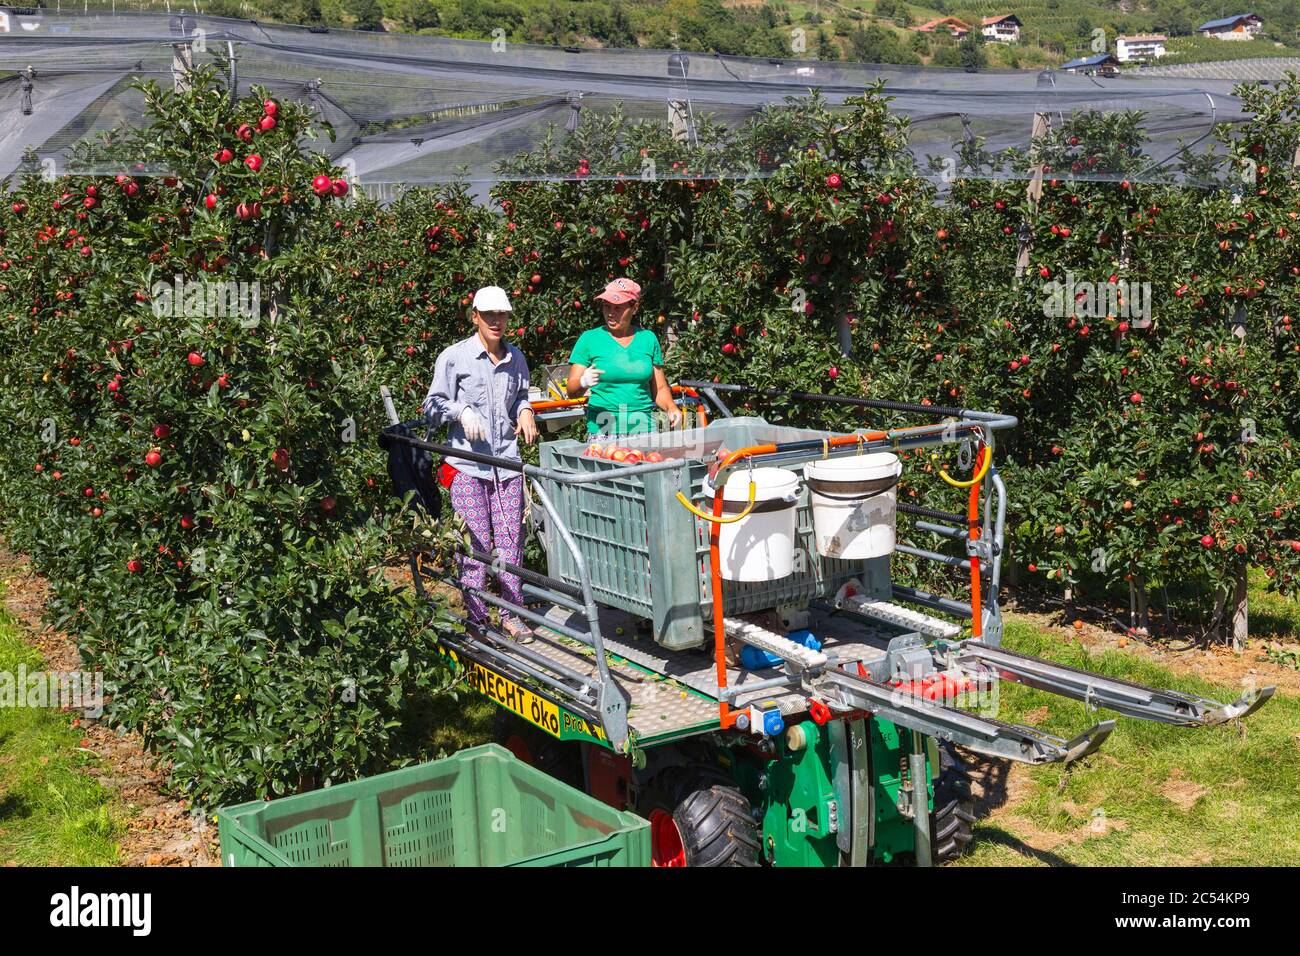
772 722
752 659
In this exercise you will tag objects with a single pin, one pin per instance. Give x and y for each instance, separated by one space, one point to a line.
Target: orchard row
205 492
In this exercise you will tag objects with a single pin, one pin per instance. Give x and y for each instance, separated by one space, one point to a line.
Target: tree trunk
1239 616
1144 619
1216 621
1042 123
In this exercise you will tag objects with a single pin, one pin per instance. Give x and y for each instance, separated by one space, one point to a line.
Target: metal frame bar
1096 690
984 735
527 652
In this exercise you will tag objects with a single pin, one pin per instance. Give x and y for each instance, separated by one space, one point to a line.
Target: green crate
664 575
481 807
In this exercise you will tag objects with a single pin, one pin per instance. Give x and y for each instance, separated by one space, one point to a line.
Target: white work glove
590 377
472 422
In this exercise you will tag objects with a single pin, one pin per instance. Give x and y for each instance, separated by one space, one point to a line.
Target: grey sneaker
519 632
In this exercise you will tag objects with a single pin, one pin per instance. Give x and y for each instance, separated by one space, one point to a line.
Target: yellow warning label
532 708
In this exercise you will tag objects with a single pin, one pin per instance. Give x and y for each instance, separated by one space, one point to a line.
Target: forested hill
865 30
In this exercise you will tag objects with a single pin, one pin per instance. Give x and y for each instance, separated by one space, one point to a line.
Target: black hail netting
417 109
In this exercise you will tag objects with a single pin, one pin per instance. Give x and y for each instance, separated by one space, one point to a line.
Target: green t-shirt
622 403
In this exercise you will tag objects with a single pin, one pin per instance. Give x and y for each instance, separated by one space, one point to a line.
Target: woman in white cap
480 391
620 366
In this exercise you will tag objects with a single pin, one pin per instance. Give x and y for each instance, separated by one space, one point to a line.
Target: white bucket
760 546
853 501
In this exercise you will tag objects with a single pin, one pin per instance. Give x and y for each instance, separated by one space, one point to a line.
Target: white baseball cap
492 298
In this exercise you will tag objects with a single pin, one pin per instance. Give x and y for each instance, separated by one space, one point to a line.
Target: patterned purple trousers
495 516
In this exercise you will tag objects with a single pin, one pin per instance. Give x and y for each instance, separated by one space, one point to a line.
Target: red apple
321 185
1207 540
152 458
253 162
134 566
195 358
266 123
223 156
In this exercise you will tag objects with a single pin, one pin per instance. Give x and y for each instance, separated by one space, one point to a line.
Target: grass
1154 794
1272 616
458 720
51 812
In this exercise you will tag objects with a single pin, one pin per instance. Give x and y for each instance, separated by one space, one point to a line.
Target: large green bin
481 807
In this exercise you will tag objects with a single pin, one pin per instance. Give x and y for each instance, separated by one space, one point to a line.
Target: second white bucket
760 546
853 504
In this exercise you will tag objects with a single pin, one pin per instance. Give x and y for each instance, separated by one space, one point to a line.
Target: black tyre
535 747
698 817
953 816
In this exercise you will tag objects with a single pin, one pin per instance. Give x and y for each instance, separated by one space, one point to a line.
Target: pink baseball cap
620 291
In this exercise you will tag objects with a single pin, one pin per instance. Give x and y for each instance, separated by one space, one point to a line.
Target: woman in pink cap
620 367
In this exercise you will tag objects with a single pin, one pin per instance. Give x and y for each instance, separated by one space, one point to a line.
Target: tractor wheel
954 807
535 747
698 817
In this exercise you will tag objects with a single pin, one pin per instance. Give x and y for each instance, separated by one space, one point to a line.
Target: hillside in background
881 31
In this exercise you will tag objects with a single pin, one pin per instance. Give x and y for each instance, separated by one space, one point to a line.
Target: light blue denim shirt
466 375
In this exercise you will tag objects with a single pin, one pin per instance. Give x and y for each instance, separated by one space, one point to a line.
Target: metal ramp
696 671
659 707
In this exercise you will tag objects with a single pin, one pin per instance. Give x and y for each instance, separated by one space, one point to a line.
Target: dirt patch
1183 793
997 786
160 831
1036 716
1219 665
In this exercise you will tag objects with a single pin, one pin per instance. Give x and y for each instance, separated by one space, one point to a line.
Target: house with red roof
958 28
